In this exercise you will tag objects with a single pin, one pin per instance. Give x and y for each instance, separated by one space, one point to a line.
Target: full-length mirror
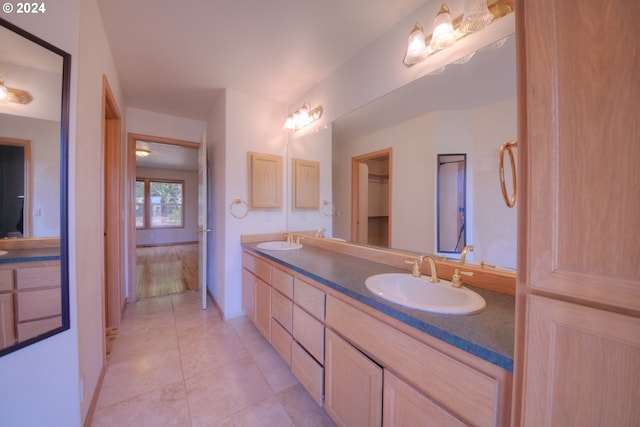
34 96
470 109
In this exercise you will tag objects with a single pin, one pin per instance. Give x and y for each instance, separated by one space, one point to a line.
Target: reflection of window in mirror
15 188
452 227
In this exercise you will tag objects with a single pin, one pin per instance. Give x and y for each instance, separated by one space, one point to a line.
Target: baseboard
94 399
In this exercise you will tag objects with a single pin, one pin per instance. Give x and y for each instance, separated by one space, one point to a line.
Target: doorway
371 177
180 160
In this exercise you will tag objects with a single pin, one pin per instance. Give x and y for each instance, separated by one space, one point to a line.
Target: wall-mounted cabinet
265 181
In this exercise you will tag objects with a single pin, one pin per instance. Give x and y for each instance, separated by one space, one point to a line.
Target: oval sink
3 252
421 294
278 245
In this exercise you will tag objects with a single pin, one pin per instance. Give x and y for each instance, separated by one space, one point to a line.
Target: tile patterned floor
173 364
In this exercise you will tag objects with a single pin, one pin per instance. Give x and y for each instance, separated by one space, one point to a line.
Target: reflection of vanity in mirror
34 89
468 109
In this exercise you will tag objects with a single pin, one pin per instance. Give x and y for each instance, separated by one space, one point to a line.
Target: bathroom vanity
30 294
369 361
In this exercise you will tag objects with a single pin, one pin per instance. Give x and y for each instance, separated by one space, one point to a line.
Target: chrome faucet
463 254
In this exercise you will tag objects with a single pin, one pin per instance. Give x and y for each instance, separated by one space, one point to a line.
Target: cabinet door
581 366
248 295
404 406
353 385
7 331
263 308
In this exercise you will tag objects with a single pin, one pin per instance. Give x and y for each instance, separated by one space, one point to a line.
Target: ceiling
175 57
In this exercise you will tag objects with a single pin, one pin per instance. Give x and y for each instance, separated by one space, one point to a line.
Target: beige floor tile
165 407
204 353
275 370
251 338
129 346
302 409
130 378
267 413
223 391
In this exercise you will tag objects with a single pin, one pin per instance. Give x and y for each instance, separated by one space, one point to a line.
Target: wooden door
353 385
248 294
263 308
578 209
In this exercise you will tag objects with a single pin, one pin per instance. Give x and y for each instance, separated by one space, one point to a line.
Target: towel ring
327 209
236 208
508 146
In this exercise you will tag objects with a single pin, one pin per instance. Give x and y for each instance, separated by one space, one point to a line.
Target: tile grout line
184 381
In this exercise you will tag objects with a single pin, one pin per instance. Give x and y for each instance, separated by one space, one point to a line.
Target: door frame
113 273
355 187
130 200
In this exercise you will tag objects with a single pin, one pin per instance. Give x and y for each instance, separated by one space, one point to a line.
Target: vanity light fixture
10 94
477 15
302 117
142 152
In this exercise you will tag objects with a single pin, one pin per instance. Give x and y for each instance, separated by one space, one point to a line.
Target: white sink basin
278 245
3 252
421 294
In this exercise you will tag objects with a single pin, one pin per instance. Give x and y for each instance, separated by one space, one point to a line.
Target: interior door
202 219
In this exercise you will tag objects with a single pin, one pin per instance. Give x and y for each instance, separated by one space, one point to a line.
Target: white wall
187 233
45 169
164 126
40 383
94 61
250 124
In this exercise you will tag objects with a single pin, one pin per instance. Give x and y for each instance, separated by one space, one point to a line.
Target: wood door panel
581 365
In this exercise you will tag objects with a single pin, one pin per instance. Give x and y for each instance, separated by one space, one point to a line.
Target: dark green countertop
488 334
28 255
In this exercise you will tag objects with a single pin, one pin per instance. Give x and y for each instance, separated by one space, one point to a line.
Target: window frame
147 224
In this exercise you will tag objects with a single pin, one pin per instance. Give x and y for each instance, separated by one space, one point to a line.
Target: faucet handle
456 280
415 272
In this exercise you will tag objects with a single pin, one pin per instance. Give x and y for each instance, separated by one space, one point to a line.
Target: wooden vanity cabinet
289 313
30 300
353 385
458 387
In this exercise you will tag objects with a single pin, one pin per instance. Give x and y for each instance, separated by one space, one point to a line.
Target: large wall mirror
469 109
34 122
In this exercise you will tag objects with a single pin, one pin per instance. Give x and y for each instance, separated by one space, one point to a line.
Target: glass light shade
416 47
288 124
476 16
141 152
3 89
443 33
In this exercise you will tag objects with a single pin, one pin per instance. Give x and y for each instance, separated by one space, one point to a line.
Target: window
159 203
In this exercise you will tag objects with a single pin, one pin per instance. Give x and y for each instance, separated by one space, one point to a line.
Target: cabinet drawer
38 277
257 266
309 332
466 392
6 279
283 282
309 298
7 332
282 310
31 329
38 304
308 371
281 340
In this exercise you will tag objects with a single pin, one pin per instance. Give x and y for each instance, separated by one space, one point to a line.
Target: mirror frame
64 223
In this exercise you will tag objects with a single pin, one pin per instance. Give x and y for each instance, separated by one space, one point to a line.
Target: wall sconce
302 117
477 15
141 152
